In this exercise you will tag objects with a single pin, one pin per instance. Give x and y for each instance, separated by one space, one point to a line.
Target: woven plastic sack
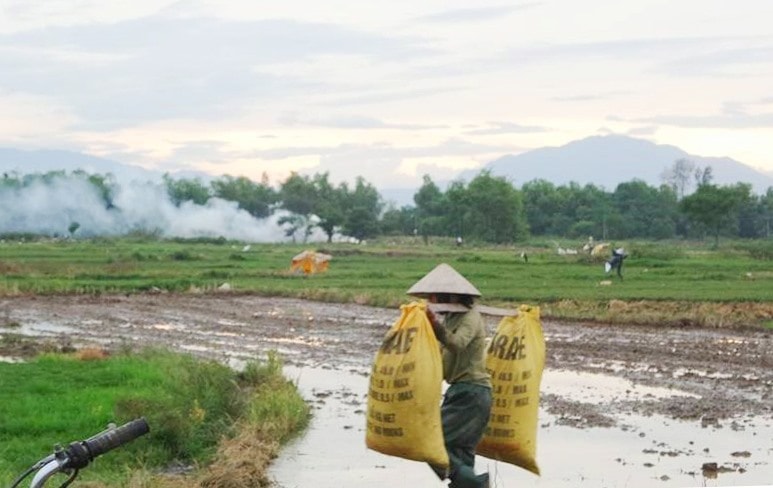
403 417
515 359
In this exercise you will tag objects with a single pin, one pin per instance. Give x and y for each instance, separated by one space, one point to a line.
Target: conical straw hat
443 279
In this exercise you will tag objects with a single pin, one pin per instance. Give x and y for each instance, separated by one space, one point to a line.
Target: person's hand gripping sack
437 327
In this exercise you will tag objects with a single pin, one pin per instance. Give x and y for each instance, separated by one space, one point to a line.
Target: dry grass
11 268
663 313
240 462
91 354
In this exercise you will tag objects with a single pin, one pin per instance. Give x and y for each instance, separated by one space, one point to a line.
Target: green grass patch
190 404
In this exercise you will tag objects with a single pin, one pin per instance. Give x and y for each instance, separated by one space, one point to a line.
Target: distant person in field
616 262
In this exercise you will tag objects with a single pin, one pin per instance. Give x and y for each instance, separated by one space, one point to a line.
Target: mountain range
604 161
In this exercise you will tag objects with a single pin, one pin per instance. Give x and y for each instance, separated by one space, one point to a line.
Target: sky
387 90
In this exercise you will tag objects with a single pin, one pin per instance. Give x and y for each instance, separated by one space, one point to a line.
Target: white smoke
50 208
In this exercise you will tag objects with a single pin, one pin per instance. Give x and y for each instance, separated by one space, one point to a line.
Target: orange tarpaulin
310 262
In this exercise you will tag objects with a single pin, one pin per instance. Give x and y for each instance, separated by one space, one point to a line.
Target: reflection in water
642 453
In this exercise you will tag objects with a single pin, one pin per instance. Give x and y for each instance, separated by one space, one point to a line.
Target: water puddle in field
43 329
11 359
599 388
638 452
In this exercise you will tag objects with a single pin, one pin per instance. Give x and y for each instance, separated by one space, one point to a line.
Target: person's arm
457 340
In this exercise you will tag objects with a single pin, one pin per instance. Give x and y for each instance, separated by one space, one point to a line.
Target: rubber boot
466 478
483 480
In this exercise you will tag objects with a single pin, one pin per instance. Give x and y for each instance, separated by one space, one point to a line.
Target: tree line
487 209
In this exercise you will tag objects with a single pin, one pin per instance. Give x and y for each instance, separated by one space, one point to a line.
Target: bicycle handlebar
115 437
79 454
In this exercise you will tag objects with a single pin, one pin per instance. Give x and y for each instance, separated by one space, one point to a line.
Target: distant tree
298 195
431 209
678 176
646 211
400 221
186 190
295 223
711 206
766 209
255 198
704 176
542 206
10 180
50 176
330 205
457 211
496 210
104 184
590 209
568 210
750 222
363 207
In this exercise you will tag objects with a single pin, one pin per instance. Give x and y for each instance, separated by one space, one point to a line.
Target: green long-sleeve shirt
463 339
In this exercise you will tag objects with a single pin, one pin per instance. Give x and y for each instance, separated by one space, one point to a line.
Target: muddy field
710 391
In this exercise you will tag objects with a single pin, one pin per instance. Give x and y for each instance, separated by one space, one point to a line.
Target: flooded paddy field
621 406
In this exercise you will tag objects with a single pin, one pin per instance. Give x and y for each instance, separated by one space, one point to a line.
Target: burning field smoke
71 204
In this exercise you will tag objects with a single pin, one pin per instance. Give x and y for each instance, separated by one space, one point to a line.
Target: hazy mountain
41 161
609 160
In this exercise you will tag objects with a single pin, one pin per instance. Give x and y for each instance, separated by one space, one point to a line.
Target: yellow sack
515 359
405 391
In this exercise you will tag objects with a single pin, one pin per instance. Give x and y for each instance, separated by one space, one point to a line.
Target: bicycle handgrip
110 439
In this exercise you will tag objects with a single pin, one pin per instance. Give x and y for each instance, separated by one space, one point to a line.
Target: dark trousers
465 414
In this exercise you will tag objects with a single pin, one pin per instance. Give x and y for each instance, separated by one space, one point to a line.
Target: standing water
639 452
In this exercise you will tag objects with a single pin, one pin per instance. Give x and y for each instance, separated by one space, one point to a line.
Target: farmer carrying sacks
516 358
457 323
405 389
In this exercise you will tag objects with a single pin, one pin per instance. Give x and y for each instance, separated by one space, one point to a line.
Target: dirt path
729 371
724 377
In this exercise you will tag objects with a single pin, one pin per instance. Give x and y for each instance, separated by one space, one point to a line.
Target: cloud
723 61
495 128
578 98
350 122
384 164
648 130
477 14
446 148
213 152
25 117
678 56
739 120
734 115
391 95
590 97
159 67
